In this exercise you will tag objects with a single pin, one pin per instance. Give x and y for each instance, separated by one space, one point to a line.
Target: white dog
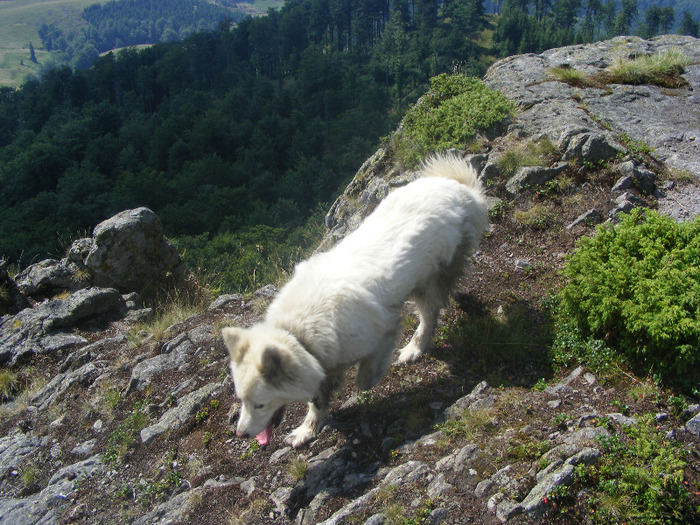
343 307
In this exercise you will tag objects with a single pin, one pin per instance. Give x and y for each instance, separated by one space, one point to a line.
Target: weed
469 424
124 437
538 217
8 384
206 439
252 449
297 469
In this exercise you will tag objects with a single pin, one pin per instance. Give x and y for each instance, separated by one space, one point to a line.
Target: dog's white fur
343 307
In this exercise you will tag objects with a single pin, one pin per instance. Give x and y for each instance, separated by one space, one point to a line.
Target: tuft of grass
661 69
574 77
540 152
8 384
298 468
174 309
124 438
468 425
538 217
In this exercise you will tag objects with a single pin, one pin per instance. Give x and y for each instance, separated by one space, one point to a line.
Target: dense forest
239 137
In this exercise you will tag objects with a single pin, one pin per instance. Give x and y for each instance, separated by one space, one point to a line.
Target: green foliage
637 286
8 384
450 115
639 478
124 437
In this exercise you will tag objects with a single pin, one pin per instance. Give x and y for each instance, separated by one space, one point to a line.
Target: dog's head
269 369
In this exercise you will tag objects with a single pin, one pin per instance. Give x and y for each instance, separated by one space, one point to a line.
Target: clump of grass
174 308
574 77
538 217
540 152
298 469
468 425
660 69
8 384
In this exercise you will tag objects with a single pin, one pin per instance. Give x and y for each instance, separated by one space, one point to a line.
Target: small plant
678 404
538 217
124 437
206 439
252 449
201 415
8 384
298 469
561 419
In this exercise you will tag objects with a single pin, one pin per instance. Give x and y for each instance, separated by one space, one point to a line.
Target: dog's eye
258 407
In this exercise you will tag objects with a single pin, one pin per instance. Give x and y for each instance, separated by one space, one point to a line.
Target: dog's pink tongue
265 435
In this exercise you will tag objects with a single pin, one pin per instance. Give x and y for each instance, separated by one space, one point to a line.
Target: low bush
636 286
450 115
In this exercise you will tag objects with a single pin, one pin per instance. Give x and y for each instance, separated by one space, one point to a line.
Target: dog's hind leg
429 298
318 411
428 312
373 368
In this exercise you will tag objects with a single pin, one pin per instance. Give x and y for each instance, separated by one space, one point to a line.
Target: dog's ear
274 365
236 342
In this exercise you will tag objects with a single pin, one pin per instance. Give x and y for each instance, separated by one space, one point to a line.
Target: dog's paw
409 353
300 436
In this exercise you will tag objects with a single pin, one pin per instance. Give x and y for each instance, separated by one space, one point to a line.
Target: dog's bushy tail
450 165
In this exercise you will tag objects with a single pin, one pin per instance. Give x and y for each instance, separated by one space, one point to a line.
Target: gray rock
21 335
406 474
589 218
225 299
459 406
498 480
507 509
47 396
85 448
171 511
693 425
49 277
438 487
309 515
622 419
15 447
534 503
43 507
177 416
533 176
281 497
176 359
355 506
130 253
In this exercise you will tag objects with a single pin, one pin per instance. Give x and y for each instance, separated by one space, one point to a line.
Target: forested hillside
120 23
235 137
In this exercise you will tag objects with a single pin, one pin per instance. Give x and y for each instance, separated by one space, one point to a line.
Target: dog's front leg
318 410
312 425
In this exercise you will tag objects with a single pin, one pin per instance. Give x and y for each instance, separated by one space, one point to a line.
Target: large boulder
130 253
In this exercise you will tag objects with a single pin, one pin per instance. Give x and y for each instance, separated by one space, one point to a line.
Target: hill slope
132 424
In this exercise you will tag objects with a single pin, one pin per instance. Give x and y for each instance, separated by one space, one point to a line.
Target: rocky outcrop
130 253
587 125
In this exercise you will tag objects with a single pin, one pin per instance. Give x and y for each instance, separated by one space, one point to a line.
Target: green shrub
636 286
450 115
